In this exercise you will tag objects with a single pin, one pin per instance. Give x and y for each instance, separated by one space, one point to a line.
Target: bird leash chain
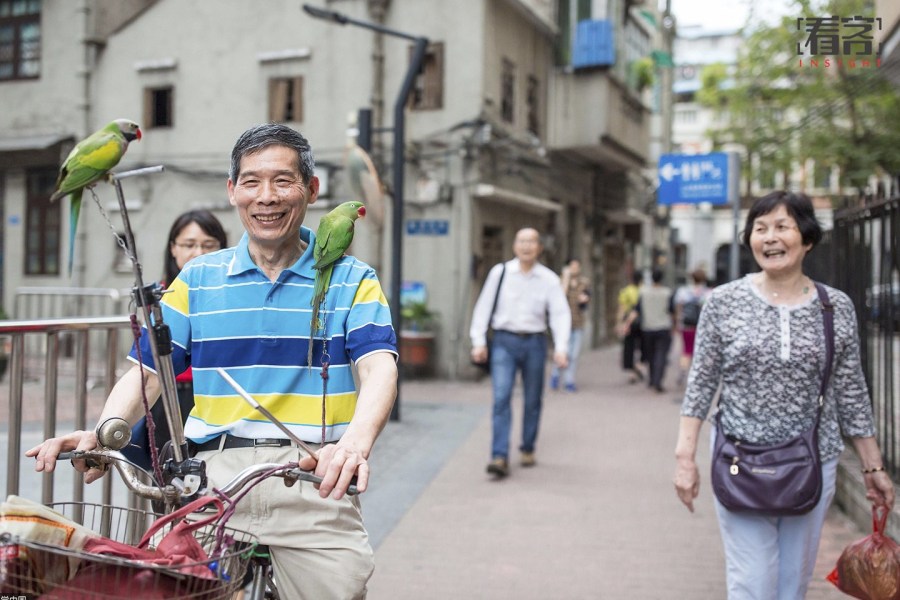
131 254
326 360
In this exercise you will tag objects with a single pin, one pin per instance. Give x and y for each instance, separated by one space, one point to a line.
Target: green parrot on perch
88 162
333 237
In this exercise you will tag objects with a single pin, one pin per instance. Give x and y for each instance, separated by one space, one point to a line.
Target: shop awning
31 143
489 191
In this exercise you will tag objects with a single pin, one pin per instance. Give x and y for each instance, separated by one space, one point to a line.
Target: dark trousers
657 348
630 343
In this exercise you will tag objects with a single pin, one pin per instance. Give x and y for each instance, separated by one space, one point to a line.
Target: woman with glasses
193 233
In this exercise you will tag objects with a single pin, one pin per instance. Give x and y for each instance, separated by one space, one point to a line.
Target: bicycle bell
114 433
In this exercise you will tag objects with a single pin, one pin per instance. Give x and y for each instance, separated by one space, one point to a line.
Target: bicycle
243 564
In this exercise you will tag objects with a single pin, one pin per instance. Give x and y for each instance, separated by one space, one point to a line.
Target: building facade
526 113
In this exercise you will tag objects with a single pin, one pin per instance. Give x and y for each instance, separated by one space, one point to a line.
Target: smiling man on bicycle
246 309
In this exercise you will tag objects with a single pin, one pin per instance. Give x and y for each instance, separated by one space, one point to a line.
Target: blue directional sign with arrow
689 179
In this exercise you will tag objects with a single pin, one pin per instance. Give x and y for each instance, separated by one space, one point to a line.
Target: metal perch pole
158 333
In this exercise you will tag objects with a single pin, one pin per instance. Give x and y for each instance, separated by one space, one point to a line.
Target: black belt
232 441
521 333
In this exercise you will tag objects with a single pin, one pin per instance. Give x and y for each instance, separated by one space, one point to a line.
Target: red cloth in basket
870 568
178 550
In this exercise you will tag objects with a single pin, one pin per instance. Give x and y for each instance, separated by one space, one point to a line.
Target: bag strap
497 295
183 512
828 320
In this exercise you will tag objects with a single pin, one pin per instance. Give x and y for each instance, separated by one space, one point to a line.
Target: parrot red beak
137 132
361 211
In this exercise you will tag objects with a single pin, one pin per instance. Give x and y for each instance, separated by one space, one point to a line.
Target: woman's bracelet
874 470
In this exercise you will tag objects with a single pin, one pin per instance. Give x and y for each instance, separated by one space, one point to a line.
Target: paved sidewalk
596 518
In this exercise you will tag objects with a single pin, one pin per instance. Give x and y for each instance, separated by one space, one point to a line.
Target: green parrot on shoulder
333 237
88 162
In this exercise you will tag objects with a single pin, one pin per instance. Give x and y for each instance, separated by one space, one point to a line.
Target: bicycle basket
106 577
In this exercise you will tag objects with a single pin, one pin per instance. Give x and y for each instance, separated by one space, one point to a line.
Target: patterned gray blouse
769 360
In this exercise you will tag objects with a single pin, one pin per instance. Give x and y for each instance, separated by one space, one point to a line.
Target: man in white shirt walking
528 294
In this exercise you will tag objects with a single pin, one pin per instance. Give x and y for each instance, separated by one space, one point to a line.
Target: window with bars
508 91
533 105
286 99
428 88
20 39
159 107
42 223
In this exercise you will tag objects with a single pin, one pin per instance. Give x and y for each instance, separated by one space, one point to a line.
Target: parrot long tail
74 211
323 279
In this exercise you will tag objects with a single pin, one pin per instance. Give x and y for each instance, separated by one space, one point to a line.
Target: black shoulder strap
497 295
828 319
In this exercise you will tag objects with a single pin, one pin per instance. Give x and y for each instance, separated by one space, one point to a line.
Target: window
42 224
20 39
428 89
533 105
821 175
686 116
286 99
507 91
159 107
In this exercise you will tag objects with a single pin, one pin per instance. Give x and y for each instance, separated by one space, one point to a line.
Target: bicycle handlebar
131 475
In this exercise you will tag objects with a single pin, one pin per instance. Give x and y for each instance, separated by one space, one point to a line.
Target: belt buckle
267 442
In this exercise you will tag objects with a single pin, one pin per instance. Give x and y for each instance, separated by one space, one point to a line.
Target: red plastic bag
870 568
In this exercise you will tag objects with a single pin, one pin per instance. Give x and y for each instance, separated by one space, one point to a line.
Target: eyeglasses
208 246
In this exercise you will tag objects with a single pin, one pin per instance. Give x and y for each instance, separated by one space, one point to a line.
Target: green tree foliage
782 109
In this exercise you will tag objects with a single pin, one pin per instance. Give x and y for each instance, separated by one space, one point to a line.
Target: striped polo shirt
223 311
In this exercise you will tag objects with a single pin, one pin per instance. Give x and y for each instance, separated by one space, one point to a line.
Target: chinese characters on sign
689 179
850 40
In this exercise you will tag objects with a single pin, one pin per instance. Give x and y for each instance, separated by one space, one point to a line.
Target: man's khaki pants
319 547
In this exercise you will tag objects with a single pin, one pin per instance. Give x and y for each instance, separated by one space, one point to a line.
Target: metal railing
865 261
82 331
38 303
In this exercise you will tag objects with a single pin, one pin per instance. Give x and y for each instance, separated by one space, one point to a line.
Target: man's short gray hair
260 137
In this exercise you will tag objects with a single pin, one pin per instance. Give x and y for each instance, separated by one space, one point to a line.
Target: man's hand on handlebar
46 453
337 465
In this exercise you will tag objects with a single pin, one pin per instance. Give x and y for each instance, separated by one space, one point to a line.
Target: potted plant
417 335
643 73
417 317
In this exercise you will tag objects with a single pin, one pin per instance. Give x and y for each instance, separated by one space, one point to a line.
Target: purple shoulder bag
781 480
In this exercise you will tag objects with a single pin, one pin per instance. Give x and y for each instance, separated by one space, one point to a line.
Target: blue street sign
689 179
427 227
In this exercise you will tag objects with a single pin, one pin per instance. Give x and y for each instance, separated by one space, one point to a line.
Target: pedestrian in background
760 342
689 300
630 330
577 290
654 309
529 296
193 233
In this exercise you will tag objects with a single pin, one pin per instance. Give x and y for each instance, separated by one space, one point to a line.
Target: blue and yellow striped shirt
224 312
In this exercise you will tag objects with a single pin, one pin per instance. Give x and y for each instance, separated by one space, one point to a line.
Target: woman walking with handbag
765 339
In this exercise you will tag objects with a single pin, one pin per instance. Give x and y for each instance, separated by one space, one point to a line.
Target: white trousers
772 558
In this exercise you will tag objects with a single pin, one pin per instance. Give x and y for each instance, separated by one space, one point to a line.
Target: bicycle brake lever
90 462
301 475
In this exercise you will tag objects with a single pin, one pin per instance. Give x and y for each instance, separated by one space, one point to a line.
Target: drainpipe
377 11
84 7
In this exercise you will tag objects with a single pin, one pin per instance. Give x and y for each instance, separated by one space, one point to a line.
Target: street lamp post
418 56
